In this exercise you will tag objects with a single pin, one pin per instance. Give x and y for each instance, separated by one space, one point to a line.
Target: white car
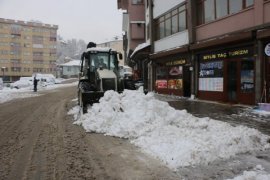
1 84
22 83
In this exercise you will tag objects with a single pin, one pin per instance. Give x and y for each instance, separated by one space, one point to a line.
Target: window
221 8
247 76
171 22
209 10
249 3
209 13
235 6
168 24
137 1
182 18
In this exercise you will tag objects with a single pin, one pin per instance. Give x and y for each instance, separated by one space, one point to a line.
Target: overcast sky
90 20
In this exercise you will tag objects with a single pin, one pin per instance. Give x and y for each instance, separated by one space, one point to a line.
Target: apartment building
133 30
26 48
214 49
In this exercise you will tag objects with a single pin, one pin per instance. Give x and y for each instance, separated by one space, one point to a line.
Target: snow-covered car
22 83
1 84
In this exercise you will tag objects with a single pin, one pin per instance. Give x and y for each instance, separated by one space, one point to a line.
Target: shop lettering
214 56
223 55
178 62
238 53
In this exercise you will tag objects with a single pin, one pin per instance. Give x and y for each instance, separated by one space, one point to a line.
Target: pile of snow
8 94
173 136
257 174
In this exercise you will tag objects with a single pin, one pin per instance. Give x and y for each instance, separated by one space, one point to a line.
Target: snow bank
175 137
257 174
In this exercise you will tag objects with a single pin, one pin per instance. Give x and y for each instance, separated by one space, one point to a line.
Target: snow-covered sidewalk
175 137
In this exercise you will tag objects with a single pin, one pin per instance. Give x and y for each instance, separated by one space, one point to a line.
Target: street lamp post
3 69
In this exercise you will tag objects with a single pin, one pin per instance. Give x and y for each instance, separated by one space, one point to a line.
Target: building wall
134 23
27 48
242 20
266 12
173 41
255 15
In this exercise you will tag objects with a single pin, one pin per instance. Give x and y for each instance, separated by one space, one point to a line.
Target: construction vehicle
99 73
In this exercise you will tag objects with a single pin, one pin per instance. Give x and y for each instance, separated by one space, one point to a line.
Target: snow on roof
139 47
74 62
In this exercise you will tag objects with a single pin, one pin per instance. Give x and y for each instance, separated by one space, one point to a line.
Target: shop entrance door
232 81
187 81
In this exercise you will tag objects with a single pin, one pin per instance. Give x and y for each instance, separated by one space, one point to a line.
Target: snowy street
129 136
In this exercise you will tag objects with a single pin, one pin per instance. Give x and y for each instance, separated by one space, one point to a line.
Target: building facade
170 53
70 69
26 48
230 62
133 30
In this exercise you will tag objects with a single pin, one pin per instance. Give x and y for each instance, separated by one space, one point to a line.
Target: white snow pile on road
8 94
257 174
175 137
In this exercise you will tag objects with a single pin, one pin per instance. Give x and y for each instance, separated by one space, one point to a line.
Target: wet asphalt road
233 114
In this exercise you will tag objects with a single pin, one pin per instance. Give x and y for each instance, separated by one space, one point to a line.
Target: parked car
1 83
22 83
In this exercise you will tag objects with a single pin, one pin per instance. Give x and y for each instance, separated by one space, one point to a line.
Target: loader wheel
82 105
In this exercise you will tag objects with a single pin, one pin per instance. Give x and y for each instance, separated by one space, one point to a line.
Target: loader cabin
99 58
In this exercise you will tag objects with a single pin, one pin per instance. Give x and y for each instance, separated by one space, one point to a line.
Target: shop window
161 77
211 76
175 75
247 76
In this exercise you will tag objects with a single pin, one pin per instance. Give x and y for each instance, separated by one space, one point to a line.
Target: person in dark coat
35 84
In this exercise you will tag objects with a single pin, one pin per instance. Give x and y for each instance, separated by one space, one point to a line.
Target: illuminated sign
177 62
243 52
238 52
267 49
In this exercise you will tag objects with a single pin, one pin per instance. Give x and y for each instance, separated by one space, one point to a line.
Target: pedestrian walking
35 84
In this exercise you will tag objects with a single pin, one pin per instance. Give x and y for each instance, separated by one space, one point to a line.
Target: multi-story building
133 29
26 48
215 49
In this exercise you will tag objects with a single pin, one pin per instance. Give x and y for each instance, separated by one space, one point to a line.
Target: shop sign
161 84
267 49
215 56
175 84
176 62
239 52
242 52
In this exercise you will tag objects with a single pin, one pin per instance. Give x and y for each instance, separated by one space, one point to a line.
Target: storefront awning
161 54
141 52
